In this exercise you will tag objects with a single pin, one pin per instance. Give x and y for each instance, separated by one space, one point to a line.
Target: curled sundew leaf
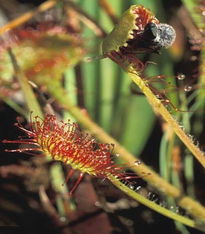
138 31
43 53
132 22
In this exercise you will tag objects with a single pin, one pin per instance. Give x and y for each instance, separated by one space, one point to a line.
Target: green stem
151 204
153 178
29 96
160 108
34 107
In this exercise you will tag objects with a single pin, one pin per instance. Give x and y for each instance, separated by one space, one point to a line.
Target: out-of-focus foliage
43 53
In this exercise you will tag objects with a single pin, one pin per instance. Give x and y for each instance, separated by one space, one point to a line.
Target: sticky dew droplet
153 197
193 58
177 210
138 188
158 96
149 195
187 88
137 163
181 76
131 187
172 208
63 219
191 137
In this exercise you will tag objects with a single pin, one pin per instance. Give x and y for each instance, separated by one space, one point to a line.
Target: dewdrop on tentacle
138 31
67 143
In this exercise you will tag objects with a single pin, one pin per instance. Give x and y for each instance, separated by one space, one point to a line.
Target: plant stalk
152 205
192 206
160 108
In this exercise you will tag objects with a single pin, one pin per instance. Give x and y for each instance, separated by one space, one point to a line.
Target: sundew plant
102 116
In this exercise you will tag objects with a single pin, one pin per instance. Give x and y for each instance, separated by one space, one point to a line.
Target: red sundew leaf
67 143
